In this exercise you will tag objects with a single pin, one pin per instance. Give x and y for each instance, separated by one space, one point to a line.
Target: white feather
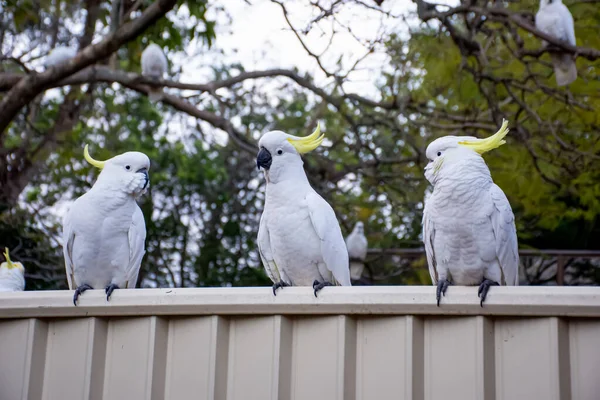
327 228
468 226
104 230
154 65
266 255
154 61
356 242
299 236
11 279
59 55
555 20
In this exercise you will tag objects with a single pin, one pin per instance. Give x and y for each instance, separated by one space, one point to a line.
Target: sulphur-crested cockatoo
12 275
299 238
356 242
154 65
59 55
104 231
468 226
554 19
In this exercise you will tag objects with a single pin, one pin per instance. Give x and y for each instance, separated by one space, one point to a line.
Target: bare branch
427 11
34 84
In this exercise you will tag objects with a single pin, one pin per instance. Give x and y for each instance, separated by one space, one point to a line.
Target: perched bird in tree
12 275
59 55
299 238
468 225
356 242
554 19
154 65
104 231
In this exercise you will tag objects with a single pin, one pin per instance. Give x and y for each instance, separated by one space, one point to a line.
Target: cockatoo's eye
279 151
128 167
439 153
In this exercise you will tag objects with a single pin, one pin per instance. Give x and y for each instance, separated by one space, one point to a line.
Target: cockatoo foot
442 286
483 289
320 285
109 289
79 290
278 285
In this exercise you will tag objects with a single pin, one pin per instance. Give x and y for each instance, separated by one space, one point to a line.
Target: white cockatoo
468 225
12 275
299 238
59 55
154 65
356 242
554 19
104 231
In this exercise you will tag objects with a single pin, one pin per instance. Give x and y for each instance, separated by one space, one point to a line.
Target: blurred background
384 78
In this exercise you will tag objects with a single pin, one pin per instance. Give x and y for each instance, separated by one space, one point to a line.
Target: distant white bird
104 230
59 55
154 65
299 238
356 242
468 226
12 275
554 19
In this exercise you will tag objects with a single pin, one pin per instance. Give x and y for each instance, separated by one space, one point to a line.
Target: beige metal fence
350 343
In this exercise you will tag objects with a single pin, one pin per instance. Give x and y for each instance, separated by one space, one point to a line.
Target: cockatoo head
12 274
127 172
544 3
279 154
447 151
359 228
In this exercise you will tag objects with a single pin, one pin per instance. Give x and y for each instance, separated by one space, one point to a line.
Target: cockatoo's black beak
263 159
145 172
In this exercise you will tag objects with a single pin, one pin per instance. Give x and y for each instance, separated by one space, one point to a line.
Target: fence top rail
582 301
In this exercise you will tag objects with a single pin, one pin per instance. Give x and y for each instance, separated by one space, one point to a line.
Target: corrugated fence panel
135 358
348 344
23 352
197 352
323 360
530 359
255 353
584 338
75 359
456 351
389 358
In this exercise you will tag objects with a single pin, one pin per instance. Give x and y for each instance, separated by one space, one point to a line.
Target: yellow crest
9 263
308 143
88 158
483 145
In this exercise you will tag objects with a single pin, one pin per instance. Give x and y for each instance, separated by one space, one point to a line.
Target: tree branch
32 85
427 11
100 73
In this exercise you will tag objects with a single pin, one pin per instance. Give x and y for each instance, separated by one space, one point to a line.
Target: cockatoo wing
11 280
357 246
137 238
428 236
505 232
154 62
569 25
68 241
59 55
327 228
557 21
264 249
